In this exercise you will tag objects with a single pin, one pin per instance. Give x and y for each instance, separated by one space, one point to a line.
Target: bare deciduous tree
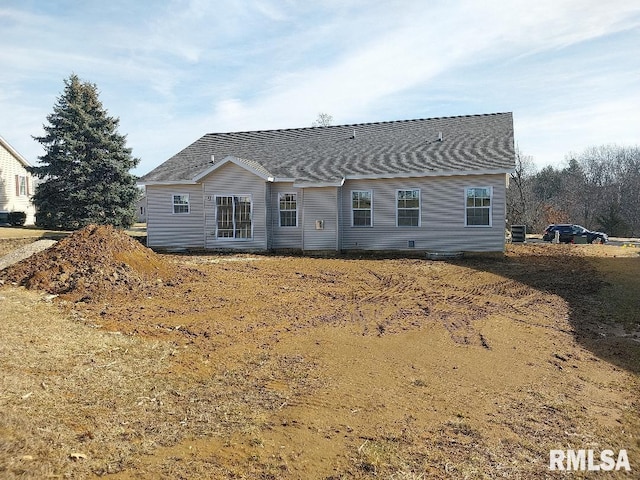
520 197
598 188
612 177
323 120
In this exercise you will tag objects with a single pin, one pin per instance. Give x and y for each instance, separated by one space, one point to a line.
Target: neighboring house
16 184
435 184
141 210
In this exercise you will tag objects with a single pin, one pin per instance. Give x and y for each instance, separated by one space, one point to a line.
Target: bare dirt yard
121 363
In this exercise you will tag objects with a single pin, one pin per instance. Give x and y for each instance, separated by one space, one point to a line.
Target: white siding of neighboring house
284 237
10 199
442 208
141 210
166 229
230 179
320 204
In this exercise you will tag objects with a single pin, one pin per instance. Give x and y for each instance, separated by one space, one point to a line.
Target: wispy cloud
415 52
173 70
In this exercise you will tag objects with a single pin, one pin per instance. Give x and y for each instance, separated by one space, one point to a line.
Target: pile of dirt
89 263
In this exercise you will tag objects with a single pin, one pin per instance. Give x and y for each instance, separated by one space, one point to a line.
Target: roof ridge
18 156
385 122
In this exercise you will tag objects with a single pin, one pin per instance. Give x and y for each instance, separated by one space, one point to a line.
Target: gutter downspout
146 213
302 219
338 207
204 218
268 214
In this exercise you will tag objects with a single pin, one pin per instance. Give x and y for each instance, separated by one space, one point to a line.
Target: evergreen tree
85 169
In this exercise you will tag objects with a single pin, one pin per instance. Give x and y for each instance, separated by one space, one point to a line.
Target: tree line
598 188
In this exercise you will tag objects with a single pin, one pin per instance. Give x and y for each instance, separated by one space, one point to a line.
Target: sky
174 70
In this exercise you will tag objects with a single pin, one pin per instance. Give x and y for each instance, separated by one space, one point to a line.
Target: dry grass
76 400
68 389
23 232
282 367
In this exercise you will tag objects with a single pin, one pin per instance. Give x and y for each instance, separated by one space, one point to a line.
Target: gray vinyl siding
166 229
320 204
442 215
231 179
284 237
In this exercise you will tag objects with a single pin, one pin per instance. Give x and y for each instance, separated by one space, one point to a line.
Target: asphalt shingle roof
325 154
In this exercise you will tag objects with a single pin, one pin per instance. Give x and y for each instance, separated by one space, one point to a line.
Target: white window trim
215 206
419 207
280 194
370 192
22 182
490 207
173 204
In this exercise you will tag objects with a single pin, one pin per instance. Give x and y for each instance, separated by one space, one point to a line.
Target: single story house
16 184
435 184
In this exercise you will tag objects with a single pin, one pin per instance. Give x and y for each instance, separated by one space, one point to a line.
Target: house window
478 207
288 210
361 208
233 216
408 208
181 203
21 186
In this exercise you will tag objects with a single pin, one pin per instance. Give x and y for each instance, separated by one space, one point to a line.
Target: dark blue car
568 233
